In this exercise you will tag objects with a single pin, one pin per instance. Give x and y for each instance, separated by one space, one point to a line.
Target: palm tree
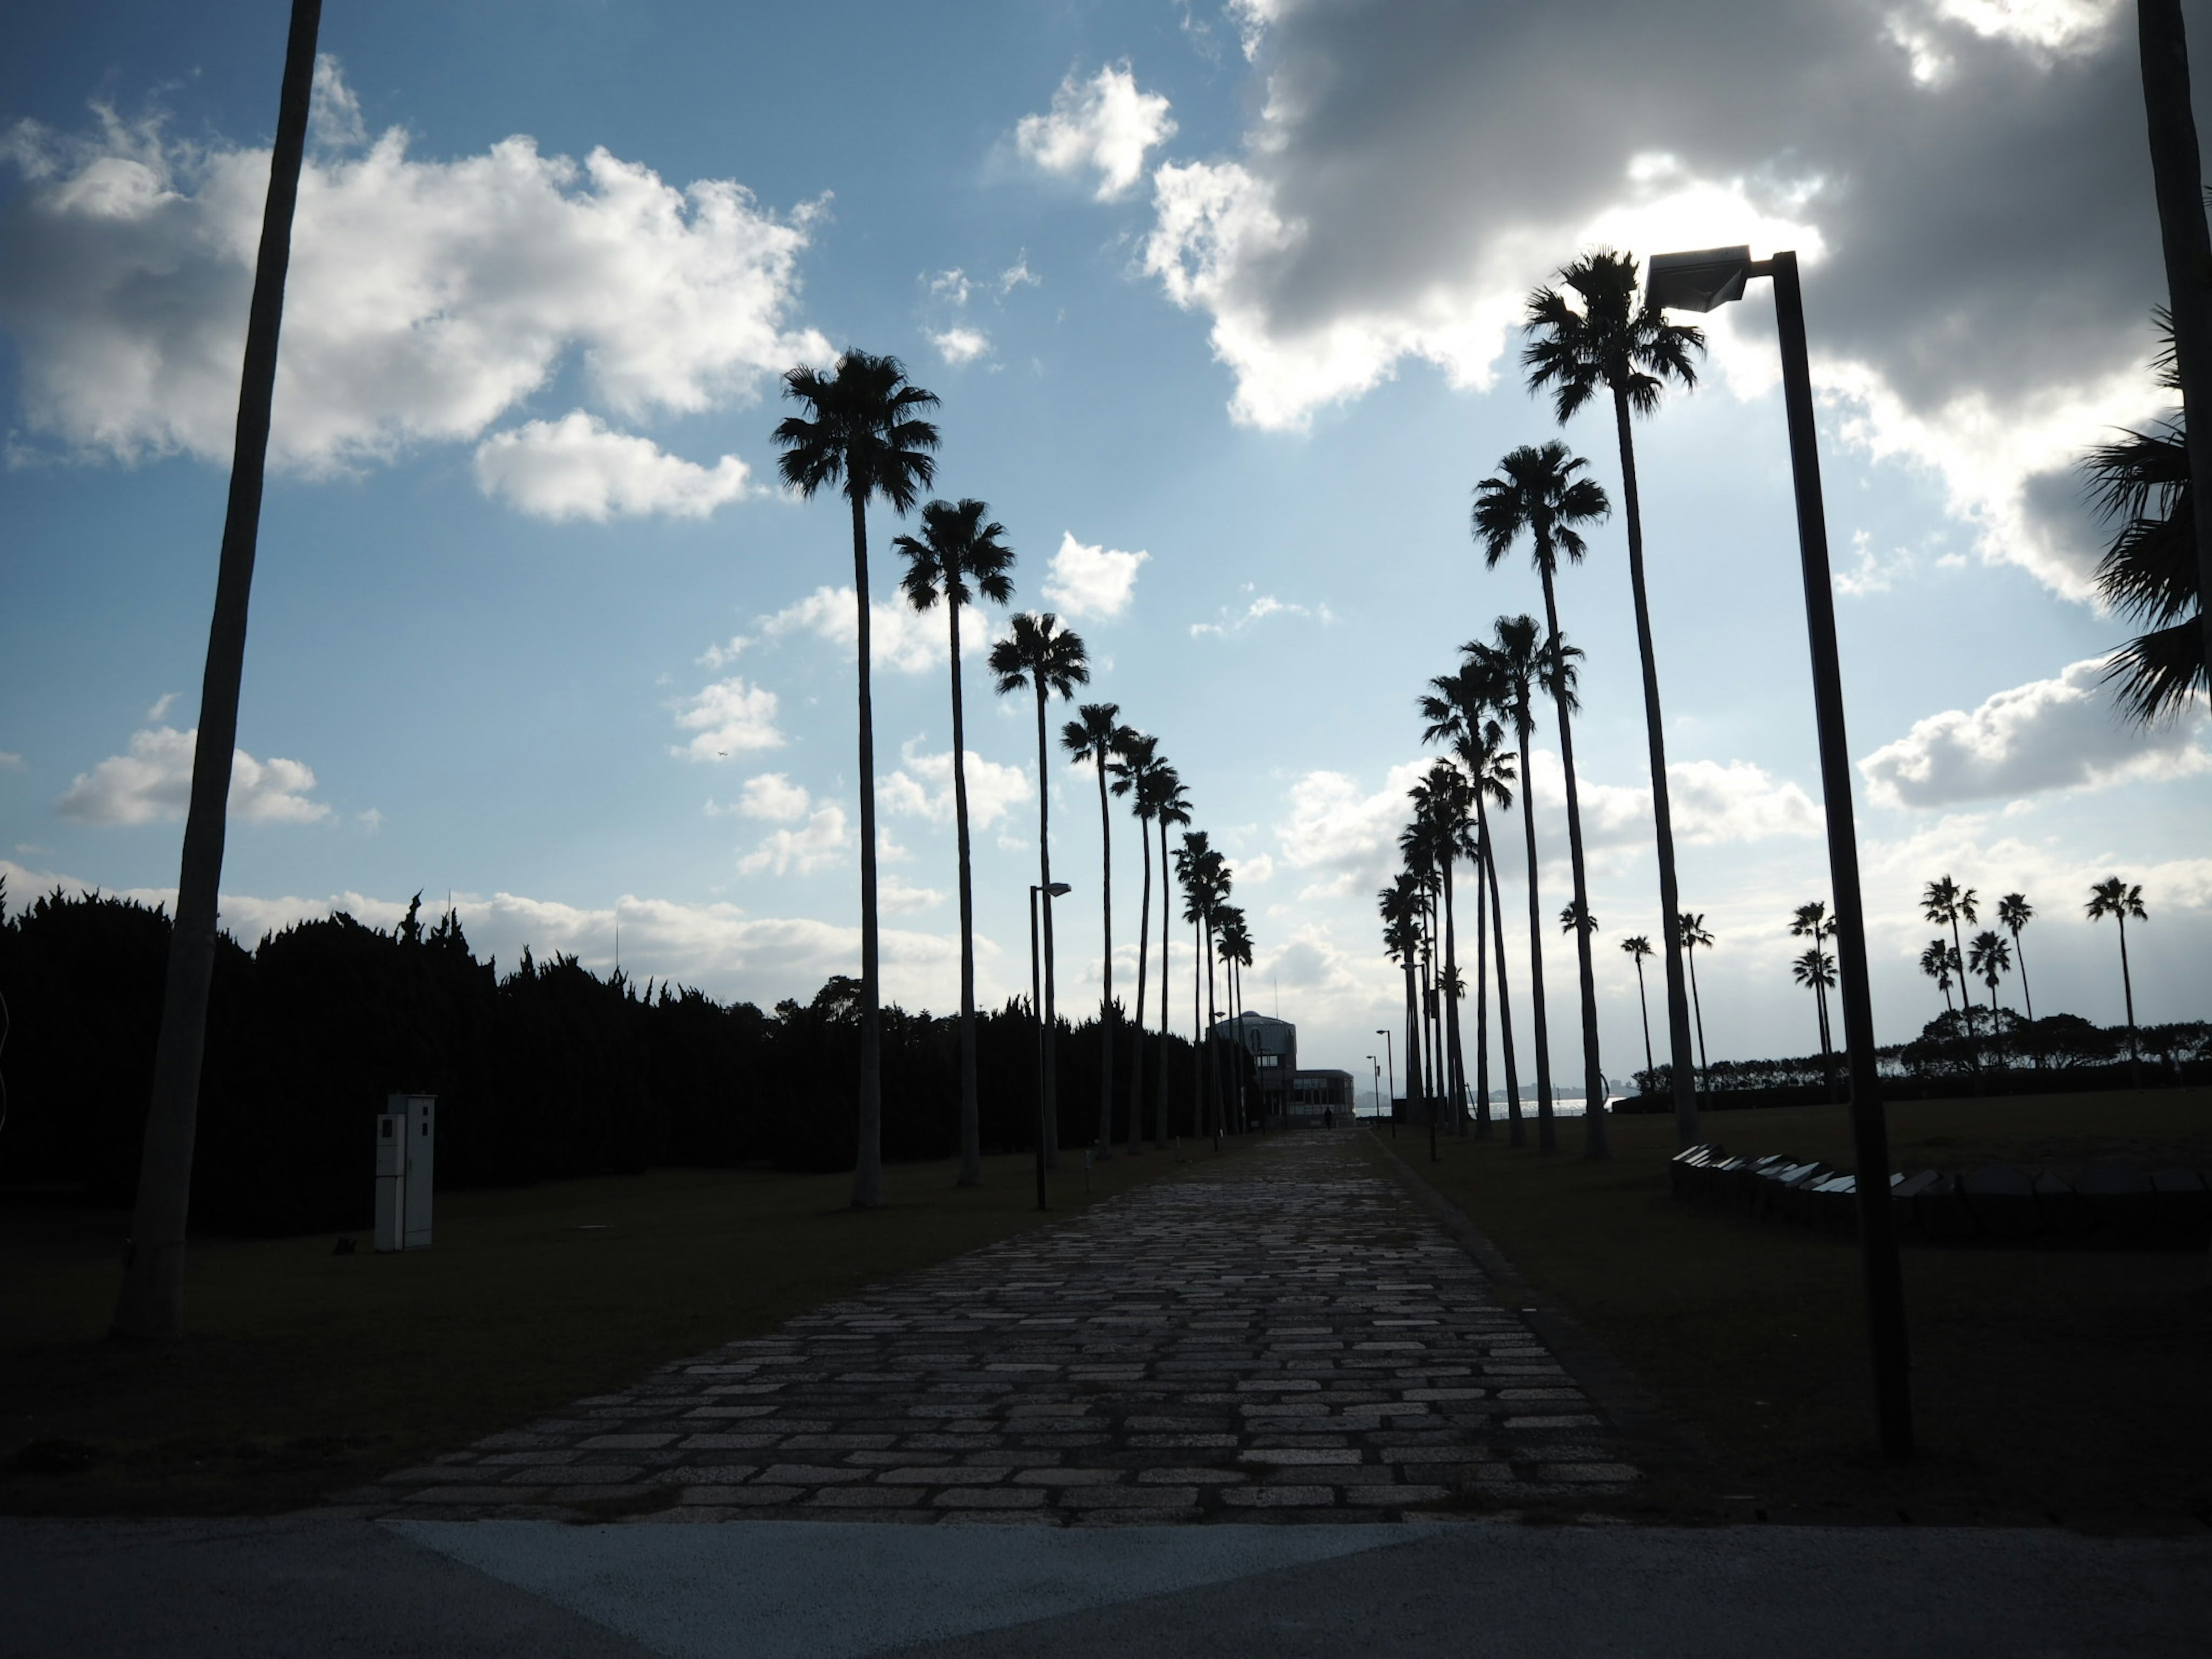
960 553
1201 869
1234 946
1038 654
1170 809
1617 342
150 1304
1537 492
1097 735
2178 184
1442 801
1417 848
1136 767
2115 898
1401 905
1694 939
2014 913
1639 951
1937 962
1991 958
1812 921
1817 969
1514 663
1944 901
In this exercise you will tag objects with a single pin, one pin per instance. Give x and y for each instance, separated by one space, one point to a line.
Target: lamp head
1058 889
1697 281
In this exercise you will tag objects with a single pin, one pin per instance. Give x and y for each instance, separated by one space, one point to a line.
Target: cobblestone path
1283 1336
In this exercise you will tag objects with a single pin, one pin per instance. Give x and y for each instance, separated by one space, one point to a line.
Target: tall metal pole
1036 1010
1391 1058
1884 1282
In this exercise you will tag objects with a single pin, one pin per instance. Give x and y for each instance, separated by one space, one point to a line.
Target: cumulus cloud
10 762
729 718
961 345
1091 581
898 637
820 842
901 898
1989 149
1103 125
1235 619
578 467
922 787
426 300
774 799
155 780
1337 830
2059 734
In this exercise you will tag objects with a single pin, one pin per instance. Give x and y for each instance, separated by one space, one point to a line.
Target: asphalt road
240 1589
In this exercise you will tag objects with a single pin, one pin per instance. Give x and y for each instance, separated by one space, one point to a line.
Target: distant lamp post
1058 889
1376 1067
1384 1032
1699 281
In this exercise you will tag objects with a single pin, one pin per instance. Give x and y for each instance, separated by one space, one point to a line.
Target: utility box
406 1163
391 1181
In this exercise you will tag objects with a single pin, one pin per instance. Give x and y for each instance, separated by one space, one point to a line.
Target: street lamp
1058 889
1699 281
1384 1032
1376 1067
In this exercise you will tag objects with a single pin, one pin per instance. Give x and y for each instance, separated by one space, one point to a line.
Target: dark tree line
546 1072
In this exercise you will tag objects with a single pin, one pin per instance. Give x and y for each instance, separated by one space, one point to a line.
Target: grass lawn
305 1371
2047 1383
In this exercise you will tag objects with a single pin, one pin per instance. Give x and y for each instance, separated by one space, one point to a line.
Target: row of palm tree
862 432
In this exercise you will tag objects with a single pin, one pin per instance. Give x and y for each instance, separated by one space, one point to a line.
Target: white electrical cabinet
406 1162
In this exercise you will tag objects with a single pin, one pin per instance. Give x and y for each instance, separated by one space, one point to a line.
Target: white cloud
900 899
775 799
1019 275
578 467
155 780
1091 581
2061 733
426 298
961 345
1258 609
720 656
334 118
898 637
369 819
1103 124
729 718
160 711
922 787
950 286
820 842
1344 835
10 762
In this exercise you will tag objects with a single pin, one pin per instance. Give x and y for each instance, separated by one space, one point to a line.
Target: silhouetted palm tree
959 554
1694 939
2014 913
1537 492
1618 344
1038 654
1812 921
1233 945
1170 809
1817 969
1442 802
1937 962
1942 901
1136 768
150 1305
1639 951
1098 736
1991 958
2114 897
1401 905
1199 869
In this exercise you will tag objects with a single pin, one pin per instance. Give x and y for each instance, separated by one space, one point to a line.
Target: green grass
305 1371
2046 1381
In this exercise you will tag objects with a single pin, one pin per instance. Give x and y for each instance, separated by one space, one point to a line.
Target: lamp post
1058 889
1376 1067
1699 281
1384 1032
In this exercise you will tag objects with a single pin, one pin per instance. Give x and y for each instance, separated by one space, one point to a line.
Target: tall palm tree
1170 809
150 1304
1537 492
863 435
1817 969
1694 939
1419 859
2115 898
1991 958
1136 768
1442 802
1038 654
1937 962
1811 921
1617 342
960 555
1233 945
1400 904
1514 663
1942 901
2014 913
1639 951
1492 769
1199 869
1097 735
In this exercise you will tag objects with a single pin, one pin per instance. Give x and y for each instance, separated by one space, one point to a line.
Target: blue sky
1230 290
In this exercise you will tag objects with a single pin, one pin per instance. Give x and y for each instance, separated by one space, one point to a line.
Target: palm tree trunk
1597 1142
2020 952
1212 1047
2176 176
1481 1004
1966 1004
1662 811
971 1134
1429 1102
1644 1002
1457 1068
1197 1031
150 1305
2128 989
1044 879
1106 993
1167 930
1144 946
1412 1031
1547 1133
868 1169
1698 1007
1516 1131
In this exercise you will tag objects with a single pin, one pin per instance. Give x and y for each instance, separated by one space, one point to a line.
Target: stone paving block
994 1498
1278 1497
